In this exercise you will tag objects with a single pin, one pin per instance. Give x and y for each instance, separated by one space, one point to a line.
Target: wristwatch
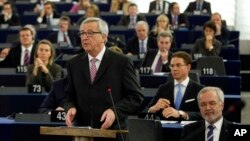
182 114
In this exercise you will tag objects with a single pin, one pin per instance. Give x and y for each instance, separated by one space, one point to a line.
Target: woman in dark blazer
44 71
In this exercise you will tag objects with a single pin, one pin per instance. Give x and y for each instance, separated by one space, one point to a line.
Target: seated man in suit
159 6
22 52
132 18
8 16
177 19
214 127
64 35
177 99
159 60
140 44
47 14
55 98
199 5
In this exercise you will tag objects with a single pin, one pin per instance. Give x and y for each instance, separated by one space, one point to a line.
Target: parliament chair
211 65
144 130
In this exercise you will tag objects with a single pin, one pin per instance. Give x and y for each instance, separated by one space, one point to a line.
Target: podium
80 133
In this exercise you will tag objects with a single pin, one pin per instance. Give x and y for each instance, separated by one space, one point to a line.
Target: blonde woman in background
44 71
91 11
162 24
119 5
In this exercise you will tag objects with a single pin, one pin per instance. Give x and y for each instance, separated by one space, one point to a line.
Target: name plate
58 116
36 88
21 69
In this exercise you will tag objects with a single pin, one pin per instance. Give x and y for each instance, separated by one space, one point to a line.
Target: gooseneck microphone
109 90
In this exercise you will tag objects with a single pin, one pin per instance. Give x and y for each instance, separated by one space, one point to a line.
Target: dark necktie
159 7
179 96
132 22
48 20
142 48
210 133
64 38
198 7
26 57
93 69
158 66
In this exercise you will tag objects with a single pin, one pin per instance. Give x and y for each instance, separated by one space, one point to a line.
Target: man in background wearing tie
47 14
159 6
94 76
159 60
64 36
132 18
22 52
214 127
199 5
140 44
177 99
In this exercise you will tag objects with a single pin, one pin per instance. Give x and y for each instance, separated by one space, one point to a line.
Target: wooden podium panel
80 133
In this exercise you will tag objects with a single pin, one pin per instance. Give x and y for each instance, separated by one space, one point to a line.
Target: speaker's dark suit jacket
55 97
134 47
14 57
125 20
152 6
73 37
116 72
13 21
196 131
149 59
189 101
192 7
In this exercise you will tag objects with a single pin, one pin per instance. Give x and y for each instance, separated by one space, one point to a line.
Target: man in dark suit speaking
214 127
94 76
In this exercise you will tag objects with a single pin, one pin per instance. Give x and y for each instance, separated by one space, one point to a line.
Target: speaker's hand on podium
108 117
70 116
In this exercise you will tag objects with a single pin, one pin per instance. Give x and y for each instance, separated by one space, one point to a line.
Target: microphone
109 90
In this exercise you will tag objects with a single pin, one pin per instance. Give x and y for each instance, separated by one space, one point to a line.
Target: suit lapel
85 67
186 94
104 64
224 133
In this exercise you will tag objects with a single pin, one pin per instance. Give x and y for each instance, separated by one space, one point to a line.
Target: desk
190 36
14 131
231 101
24 103
197 20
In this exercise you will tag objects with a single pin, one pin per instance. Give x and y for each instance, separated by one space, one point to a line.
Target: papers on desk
168 122
182 123
160 73
186 122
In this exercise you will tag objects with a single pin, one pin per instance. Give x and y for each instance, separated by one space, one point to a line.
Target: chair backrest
12 37
211 65
144 130
187 46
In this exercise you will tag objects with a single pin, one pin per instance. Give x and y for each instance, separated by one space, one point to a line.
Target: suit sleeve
132 95
70 96
49 102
